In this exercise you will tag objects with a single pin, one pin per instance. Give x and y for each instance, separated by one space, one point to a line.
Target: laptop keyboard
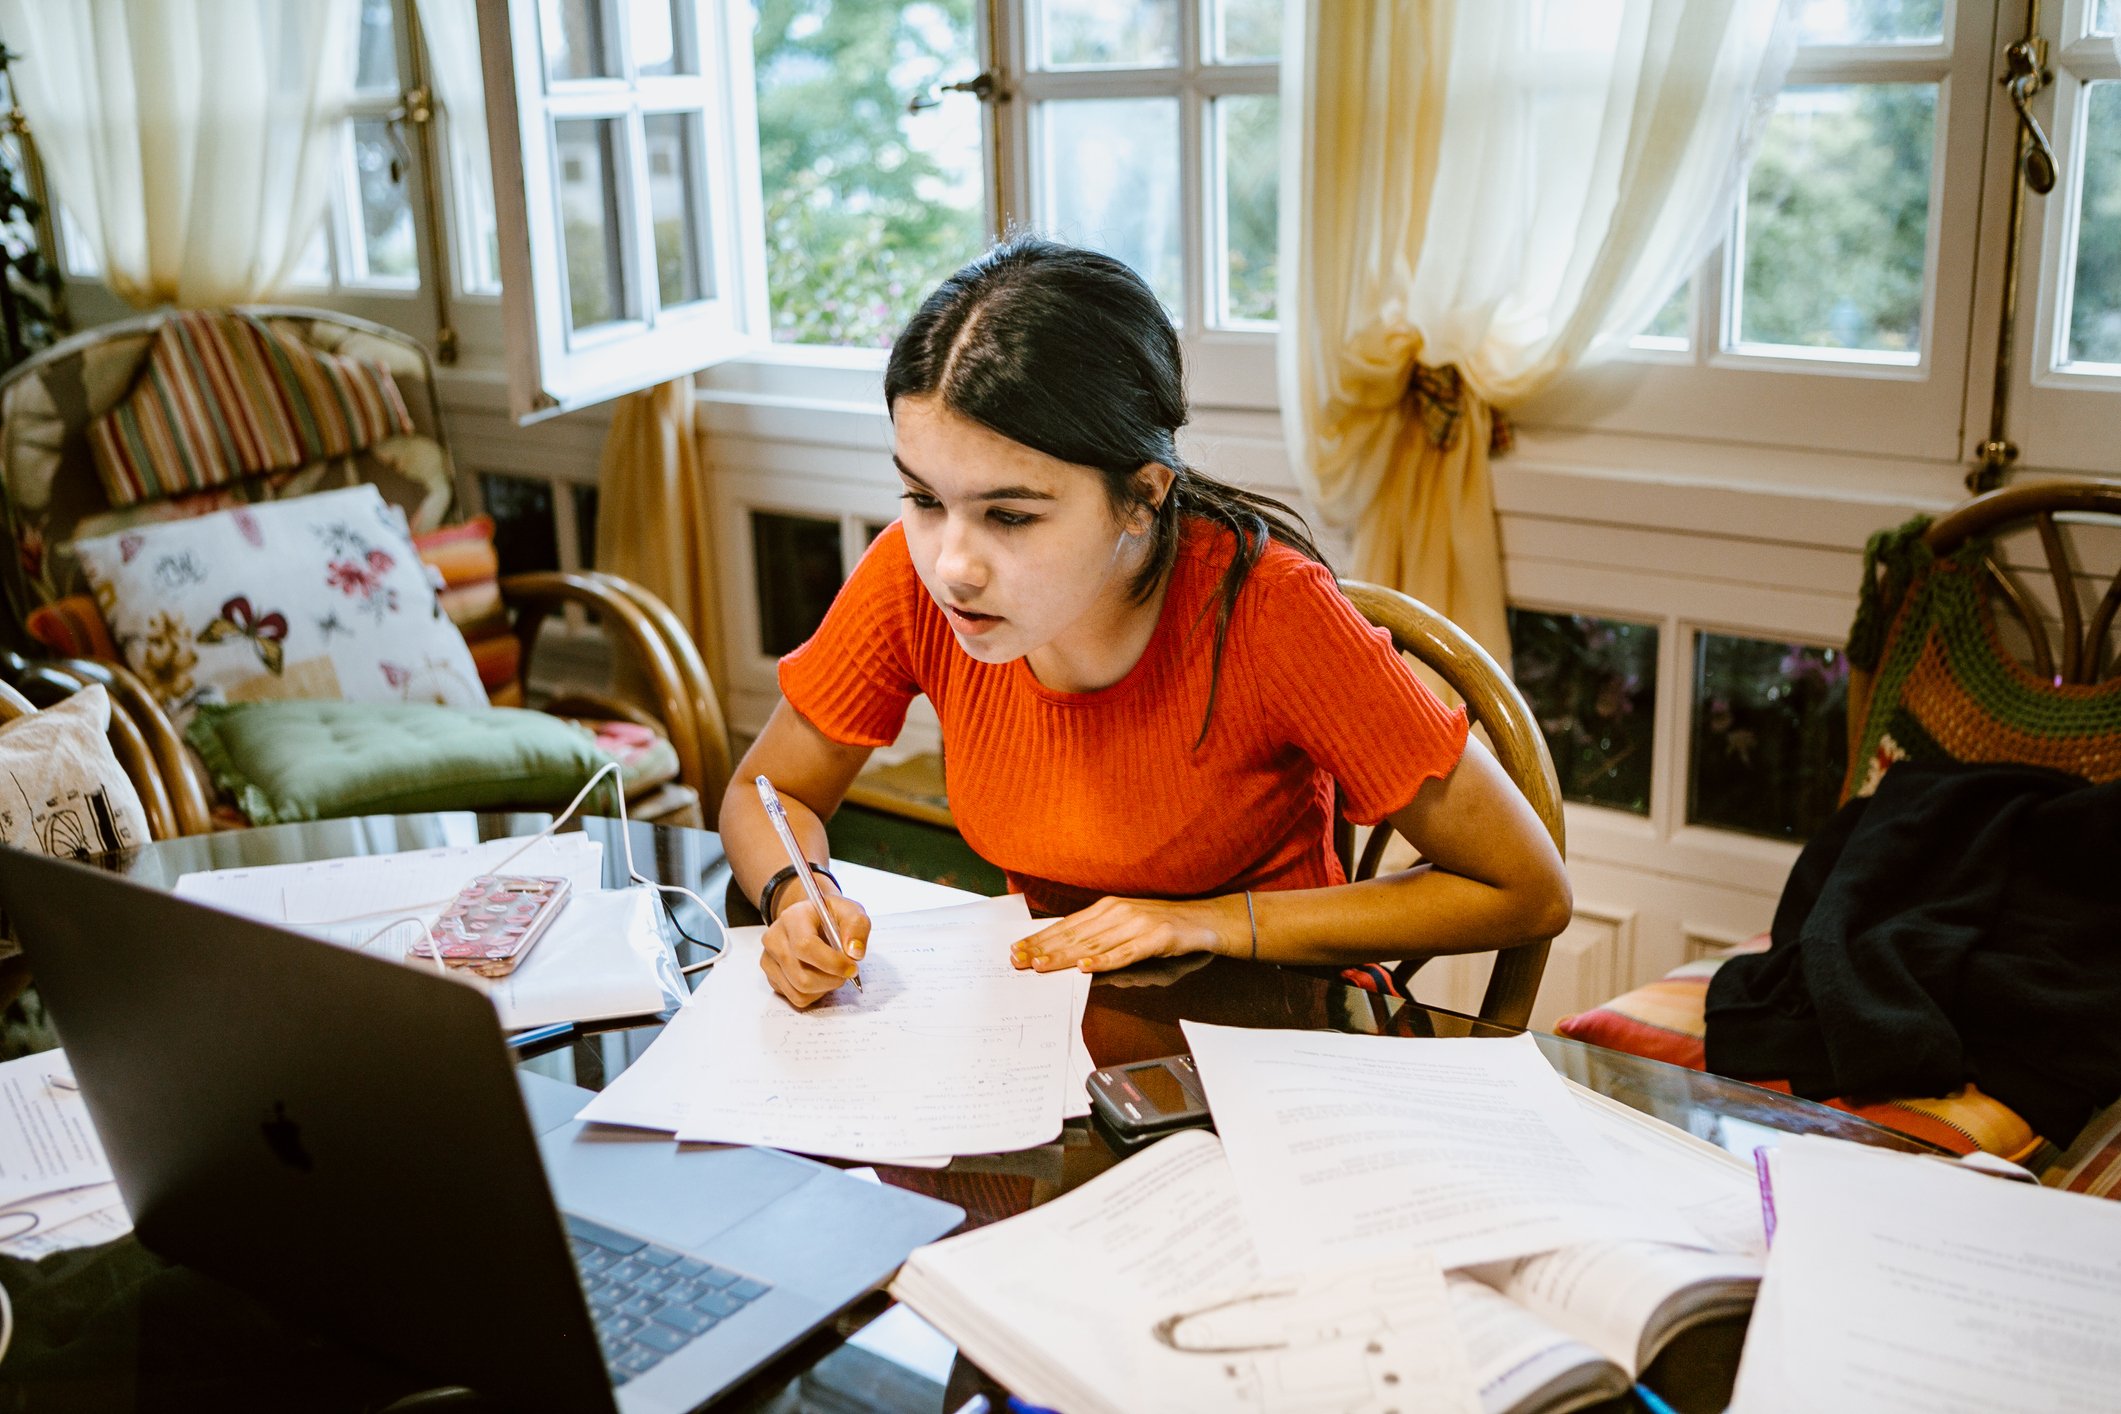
649 1302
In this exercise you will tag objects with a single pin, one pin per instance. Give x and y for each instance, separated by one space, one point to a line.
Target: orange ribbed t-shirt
1076 795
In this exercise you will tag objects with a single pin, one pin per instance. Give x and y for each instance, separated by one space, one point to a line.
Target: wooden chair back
1494 704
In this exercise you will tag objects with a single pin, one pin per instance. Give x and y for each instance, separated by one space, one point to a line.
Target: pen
1651 1401
771 799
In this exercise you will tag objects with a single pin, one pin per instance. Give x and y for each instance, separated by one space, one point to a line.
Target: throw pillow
321 597
283 761
62 790
464 559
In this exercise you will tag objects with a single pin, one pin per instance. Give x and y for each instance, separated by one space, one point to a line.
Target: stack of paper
946 1049
1901 1283
1579 1236
55 1184
602 957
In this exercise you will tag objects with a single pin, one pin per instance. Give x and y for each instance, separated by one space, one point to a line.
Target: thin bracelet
1253 919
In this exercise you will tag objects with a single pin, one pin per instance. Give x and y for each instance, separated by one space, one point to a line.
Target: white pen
797 860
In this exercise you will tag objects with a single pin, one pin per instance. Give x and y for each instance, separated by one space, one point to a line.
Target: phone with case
493 922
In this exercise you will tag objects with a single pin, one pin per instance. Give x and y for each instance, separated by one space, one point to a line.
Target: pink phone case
492 923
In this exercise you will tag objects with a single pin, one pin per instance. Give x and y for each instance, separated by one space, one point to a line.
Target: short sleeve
1342 694
855 677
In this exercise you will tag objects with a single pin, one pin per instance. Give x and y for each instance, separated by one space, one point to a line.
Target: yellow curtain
1478 195
652 513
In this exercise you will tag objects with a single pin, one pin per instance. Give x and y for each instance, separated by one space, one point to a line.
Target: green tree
859 224
2095 305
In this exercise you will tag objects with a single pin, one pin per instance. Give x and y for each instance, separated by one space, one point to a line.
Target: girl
1147 680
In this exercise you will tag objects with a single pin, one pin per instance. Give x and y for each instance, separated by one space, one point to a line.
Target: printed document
1350 1148
1141 1292
1899 1283
47 1143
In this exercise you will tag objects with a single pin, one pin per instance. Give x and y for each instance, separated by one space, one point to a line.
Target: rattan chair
1494 704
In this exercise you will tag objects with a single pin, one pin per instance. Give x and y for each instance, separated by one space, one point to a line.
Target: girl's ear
1152 483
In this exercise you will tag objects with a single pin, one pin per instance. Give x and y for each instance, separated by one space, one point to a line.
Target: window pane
313 270
658 33
1837 220
1592 683
524 537
1111 182
573 32
798 571
1671 327
1101 34
1869 21
388 255
868 206
585 525
2095 303
673 199
2103 17
1770 735
1247 31
1250 145
376 48
589 214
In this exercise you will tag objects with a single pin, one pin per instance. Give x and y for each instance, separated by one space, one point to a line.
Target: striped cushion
462 559
73 628
1664 1021
224 397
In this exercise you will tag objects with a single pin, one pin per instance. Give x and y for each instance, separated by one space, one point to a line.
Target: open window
626 192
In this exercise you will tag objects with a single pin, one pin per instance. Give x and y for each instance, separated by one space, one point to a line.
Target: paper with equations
947 1050
1350 1148
1901 1283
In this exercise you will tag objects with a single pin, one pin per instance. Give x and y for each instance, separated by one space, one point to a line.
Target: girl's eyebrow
1000 493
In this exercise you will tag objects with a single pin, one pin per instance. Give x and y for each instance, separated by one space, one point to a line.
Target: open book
1084 1304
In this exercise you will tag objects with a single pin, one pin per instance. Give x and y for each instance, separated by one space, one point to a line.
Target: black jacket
1962 924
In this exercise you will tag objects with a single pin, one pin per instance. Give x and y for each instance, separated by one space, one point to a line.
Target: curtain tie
1439 397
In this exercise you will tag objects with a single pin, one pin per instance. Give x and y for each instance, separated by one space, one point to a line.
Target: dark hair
1070 353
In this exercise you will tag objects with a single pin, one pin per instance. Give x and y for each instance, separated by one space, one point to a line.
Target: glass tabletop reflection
875 1356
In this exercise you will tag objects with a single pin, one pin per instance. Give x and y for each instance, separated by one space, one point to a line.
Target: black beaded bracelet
773 887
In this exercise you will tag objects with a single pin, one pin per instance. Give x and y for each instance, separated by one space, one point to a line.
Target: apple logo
284 1137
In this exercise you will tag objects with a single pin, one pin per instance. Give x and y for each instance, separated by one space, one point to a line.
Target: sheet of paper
372 886
947 1049
1350 1148
1515 1355
1717 1192
47 1142
80 1217
1140 1291
1897 1284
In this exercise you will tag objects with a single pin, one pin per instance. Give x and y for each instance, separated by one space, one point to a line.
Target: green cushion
288 760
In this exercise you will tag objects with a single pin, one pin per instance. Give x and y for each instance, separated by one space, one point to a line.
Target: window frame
1852 405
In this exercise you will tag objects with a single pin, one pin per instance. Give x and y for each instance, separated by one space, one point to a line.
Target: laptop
348 1140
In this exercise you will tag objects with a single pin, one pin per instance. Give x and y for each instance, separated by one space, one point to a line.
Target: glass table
115 1328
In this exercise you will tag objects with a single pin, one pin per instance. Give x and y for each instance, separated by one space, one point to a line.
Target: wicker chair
2059 640
1492 702
50 495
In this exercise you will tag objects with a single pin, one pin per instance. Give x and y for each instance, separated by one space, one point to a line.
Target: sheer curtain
191 140
1479 194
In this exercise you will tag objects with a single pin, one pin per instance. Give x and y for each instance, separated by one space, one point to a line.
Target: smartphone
494 921
1148 1099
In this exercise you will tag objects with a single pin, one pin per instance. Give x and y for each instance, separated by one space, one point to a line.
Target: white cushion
320 597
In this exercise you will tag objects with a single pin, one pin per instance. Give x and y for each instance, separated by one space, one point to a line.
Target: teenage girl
1147 680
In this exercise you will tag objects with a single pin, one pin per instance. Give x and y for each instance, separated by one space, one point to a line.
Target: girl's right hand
801 962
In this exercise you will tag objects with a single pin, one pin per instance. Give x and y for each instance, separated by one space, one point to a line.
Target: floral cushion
320 598
1664 1021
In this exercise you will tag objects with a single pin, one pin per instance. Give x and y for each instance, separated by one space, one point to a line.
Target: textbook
1094 1302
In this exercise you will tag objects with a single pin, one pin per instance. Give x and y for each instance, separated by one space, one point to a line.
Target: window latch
2028 74
983 86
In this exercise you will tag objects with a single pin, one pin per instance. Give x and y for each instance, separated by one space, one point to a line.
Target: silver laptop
348 1140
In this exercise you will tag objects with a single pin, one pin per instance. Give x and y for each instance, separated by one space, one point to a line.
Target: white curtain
1478 194
191 140
451 29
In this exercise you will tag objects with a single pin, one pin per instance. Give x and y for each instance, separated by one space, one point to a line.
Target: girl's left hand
1114 932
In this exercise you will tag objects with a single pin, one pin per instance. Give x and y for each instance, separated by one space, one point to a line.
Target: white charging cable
7 1322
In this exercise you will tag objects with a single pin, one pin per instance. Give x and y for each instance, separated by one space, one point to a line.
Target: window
2068 390
1845 285
1770 735
1592 683
620 161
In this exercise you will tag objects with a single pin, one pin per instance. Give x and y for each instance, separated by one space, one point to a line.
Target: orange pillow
73 628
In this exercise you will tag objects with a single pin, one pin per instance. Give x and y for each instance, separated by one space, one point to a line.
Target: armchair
51 494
